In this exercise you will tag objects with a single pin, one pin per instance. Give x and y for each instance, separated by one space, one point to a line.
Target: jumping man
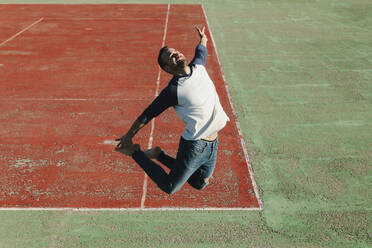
193 96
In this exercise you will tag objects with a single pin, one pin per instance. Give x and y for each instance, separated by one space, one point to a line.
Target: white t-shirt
199 106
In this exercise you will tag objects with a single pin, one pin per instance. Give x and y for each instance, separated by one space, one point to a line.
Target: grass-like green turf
300 75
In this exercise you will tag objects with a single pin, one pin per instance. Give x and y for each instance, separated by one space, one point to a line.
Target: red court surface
74 78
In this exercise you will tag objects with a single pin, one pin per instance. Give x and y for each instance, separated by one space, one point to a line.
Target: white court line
109 142
145 181
128 209
104 19
242 142
73 99
20 32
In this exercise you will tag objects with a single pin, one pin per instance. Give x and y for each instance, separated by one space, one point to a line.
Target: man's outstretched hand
124 142
203 36
200 31
126 146
129 149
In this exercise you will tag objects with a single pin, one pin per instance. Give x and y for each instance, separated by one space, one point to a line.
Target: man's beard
181 64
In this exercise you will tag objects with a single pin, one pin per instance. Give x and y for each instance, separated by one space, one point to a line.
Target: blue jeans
195 163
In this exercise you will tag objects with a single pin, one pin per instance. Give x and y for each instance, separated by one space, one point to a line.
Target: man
194 98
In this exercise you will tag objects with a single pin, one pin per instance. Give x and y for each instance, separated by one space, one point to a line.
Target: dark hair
160 61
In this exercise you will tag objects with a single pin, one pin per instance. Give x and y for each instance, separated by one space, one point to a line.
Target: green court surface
300 78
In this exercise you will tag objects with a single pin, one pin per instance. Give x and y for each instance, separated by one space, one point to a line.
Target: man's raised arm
166 98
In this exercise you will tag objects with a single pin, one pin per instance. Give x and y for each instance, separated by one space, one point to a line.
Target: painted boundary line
145 181
105 19
20 32
242 142
95 19
75 99
129 209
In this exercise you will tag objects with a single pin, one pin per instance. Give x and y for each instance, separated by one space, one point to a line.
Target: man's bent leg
178 177
160 155
168 183
166 160
197 181
152 169
200 179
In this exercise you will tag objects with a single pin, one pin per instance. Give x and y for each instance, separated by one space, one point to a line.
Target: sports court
74 78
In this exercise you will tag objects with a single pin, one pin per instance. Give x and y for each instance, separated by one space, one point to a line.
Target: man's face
173 59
